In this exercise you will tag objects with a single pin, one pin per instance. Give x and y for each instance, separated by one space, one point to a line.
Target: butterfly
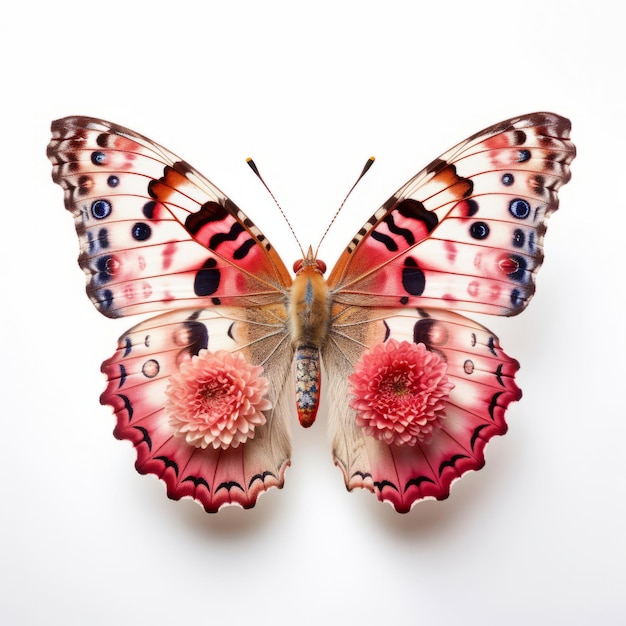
203 389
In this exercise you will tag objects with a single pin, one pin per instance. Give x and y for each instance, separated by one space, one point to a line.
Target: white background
310 91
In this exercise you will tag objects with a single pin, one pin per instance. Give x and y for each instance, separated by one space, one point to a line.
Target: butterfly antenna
255 169
366 167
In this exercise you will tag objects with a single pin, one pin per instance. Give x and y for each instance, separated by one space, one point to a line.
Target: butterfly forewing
467 232
155 234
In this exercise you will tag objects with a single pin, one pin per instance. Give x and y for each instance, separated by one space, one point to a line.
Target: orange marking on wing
452 182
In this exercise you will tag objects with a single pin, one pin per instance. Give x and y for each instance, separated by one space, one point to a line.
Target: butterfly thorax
309 318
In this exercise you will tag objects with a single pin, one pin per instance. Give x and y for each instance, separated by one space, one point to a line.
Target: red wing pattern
484 385
154 234
139 373
467 232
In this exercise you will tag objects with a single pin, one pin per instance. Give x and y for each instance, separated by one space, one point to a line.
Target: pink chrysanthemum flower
400 392
216 399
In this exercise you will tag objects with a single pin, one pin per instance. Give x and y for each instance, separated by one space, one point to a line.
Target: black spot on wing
141 231
417 481
148 209
519 137
519 238
451 462
209 212
127 405
405 233
207 279
228 485
412 209
98 158
197 481
219 238
479 230
104 299
422 331
101 208
413 279
168 463
242 251
260 477
380 485
499 374
521 266
145 437
387 330
122 376
476 434
106 266
386 240
519 208
198 336
493 404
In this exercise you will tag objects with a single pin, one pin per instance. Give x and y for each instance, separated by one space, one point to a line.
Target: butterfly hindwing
484 385
140 371
466 233
155 234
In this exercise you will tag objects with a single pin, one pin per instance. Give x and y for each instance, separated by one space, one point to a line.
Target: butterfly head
310 263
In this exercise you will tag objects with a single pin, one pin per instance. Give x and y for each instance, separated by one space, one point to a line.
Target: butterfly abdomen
308 384
309 318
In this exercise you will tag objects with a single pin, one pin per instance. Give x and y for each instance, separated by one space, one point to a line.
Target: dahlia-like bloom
400 392
216 399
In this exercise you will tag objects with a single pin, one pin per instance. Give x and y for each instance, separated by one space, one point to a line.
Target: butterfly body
309 311
417 389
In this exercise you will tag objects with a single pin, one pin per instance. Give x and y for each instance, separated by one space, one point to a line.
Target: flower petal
217 399
400 391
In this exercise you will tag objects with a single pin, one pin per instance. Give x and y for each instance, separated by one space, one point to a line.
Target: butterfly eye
299 264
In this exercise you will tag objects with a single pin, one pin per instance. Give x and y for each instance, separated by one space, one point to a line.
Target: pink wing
464 234
139 373
484 385
154 233
467 232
